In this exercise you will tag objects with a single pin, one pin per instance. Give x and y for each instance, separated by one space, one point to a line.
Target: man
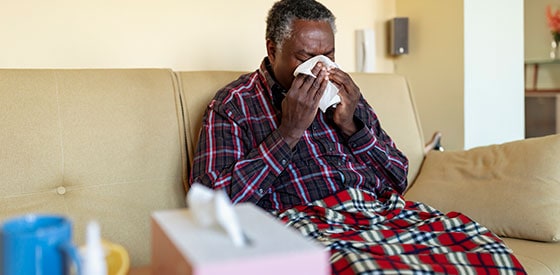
264 140
335 176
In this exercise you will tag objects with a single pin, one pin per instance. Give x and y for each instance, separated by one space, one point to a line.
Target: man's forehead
310 27
310 35
307 52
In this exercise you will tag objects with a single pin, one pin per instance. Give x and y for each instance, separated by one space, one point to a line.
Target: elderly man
333 174
264 139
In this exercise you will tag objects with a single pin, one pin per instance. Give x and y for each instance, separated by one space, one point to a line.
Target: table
143 270
542 106
536 64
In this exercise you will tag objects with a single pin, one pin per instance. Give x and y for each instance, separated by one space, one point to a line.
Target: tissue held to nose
330 96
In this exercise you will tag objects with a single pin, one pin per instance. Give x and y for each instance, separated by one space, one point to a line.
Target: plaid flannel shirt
241 151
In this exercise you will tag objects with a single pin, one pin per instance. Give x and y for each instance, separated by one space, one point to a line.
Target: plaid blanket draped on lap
368 235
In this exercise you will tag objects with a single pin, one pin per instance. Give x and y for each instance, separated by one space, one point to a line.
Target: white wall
177 34
465 68
494 95
229 35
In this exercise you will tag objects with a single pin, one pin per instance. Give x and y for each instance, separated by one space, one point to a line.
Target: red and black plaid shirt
240 150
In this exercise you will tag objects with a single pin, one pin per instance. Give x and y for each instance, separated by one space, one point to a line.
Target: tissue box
180 246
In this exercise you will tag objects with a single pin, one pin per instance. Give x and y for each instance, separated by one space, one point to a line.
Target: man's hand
349 97
299 108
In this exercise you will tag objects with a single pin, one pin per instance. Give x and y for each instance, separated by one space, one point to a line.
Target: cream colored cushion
536 257
512 188
197 90
393 103
92 144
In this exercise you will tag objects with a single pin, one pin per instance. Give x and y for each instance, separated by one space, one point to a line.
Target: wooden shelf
529 91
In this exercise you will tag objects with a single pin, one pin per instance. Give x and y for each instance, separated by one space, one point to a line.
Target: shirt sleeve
226 159
373 146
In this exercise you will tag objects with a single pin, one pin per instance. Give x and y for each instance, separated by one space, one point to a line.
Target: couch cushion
393 103
512 188
92 144
197 90
536 257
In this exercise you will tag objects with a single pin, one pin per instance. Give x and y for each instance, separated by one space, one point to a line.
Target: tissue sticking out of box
330 96
214 208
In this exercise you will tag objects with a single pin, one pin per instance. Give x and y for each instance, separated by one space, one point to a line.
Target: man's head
296 31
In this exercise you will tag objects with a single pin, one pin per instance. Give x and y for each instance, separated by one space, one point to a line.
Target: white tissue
213 208
330 96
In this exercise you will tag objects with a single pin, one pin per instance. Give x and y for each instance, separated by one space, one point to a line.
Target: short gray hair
280 18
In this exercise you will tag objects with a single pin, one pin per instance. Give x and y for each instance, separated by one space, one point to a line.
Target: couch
115 145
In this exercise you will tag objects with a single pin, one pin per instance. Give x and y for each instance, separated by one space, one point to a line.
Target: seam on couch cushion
184 124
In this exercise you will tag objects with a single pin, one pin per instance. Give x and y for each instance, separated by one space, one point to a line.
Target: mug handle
72 253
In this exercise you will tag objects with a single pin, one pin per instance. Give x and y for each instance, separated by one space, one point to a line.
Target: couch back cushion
197 90
393 103
92 144
387 93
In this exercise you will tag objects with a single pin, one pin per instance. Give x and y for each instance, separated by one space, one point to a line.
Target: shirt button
330 149
353 145
284 162
261 191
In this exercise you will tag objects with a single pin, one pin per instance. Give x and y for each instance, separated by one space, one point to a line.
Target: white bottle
94 256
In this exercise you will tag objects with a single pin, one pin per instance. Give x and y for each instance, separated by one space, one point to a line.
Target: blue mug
38 244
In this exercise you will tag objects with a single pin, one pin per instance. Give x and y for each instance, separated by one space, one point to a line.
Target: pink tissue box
180 246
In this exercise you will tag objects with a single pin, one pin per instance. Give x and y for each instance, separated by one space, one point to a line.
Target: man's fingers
337 76
342 80
319 84
299 80
317 68
322 87
310 89
310 79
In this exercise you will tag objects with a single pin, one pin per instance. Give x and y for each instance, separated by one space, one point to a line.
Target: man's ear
271 51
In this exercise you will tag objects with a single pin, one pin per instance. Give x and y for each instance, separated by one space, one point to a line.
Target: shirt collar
277 91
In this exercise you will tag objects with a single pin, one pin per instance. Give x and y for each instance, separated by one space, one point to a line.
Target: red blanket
369 235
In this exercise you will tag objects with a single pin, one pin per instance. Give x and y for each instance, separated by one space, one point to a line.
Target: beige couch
115 145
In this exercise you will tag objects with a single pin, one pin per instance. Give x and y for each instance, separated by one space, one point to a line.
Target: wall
178 34
494 94
466 69
229 35
434 66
